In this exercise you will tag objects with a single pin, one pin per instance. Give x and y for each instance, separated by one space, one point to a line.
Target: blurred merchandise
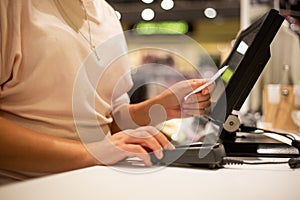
286 75
278 103
296 118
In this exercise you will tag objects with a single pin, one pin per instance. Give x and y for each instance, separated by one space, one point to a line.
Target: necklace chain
89 40
92 46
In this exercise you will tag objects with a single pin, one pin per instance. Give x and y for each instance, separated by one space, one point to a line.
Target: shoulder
109 9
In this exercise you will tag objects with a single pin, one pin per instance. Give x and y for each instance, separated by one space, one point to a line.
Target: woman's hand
174 104
128 143
168 105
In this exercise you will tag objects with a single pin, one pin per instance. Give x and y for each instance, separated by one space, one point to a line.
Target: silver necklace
89 38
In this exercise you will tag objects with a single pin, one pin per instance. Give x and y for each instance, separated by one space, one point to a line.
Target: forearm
147 113
150 112
25 150
132 116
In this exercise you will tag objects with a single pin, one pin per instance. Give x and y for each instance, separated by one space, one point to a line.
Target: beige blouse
50 76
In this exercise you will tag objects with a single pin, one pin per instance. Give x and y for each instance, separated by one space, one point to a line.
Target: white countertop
123 182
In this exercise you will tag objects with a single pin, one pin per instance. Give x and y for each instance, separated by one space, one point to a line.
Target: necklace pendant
96 54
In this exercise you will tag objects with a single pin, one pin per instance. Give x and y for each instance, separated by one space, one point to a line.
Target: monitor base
257 145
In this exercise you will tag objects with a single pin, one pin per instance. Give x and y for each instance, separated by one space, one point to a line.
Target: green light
148 28
227 75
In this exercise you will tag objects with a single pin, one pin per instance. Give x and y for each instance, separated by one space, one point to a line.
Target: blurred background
212 23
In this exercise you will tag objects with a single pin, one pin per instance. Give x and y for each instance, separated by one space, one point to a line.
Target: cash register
246 62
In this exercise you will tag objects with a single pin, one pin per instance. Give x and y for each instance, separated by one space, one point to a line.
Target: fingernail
148 164
204 92
159 154
170 146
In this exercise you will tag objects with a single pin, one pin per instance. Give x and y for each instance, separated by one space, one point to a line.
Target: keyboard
196 154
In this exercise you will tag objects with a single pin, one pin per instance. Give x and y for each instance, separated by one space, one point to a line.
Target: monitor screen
246 61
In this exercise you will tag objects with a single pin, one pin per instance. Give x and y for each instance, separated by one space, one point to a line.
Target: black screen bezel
251 66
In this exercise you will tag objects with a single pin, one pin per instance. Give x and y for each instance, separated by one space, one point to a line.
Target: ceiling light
147 14
210 13
147 1
167 4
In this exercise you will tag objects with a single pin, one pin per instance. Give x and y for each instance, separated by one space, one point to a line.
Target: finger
205 91
209 89
198 105
160 137
194 112
197 98
154 146
143 132
146 140
150 129
195 83
163 140
134 150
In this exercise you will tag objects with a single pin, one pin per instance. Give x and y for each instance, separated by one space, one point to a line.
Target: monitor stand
239 143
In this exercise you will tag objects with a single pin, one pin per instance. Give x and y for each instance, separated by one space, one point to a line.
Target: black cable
245 128
294 142
292 162
230 161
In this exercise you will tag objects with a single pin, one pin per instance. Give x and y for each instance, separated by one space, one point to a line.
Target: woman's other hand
130 143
